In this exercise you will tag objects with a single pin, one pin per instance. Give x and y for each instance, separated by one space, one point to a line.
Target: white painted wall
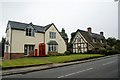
19 38
8 38
61 43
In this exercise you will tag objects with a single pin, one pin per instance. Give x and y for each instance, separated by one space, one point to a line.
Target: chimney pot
89 29
101 33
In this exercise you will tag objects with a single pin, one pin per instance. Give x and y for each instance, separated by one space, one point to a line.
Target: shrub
111 52
85 53
103 51
55 54
67 52
92 52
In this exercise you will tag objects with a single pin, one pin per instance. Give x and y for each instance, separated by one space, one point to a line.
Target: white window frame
30 48
52 48
52 35
7 48
30 31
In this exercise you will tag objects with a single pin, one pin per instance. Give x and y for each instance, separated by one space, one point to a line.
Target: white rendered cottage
32 40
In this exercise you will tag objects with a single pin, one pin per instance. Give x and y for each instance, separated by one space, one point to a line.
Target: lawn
45 60
59 59
23 62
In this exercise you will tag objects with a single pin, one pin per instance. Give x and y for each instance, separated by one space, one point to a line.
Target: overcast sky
100 15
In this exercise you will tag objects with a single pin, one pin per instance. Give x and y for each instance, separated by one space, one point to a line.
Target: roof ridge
91 32
18 22
22 26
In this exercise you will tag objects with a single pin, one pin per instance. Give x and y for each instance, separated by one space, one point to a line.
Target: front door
41 49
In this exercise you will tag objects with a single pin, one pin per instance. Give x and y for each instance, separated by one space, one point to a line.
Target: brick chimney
101 33
89 29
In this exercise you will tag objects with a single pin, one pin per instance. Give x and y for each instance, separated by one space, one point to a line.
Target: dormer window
94 40
101 41
30 31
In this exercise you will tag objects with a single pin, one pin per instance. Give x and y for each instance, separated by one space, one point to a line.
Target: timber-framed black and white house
84 41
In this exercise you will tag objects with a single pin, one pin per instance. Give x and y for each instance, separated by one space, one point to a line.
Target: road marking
74 73
108 63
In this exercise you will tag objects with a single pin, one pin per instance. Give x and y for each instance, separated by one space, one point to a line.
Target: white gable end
80 36
61 43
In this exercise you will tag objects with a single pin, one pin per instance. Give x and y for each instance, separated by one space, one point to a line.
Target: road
104 68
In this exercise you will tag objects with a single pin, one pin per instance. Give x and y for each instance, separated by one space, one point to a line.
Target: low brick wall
53 53
13 55
6 56
31 54
17 55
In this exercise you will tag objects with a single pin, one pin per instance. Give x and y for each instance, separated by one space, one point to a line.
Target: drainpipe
10 43
45 44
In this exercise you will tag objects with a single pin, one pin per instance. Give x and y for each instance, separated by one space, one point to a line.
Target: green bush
109 52
67 52
85 53
103 51
55 54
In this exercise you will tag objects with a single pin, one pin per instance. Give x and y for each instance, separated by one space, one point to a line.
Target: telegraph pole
118 4
119 19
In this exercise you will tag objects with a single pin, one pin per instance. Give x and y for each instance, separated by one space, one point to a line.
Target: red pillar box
35 53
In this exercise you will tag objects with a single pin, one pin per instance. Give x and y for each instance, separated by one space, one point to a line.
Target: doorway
28 49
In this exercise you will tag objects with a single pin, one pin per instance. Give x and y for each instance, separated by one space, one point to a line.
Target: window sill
53 51
30 36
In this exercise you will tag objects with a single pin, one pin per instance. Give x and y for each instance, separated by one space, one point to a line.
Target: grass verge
45 60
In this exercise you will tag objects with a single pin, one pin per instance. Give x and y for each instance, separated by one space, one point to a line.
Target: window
52 48
28 49
7 49
101 41
29 31
94 40
52 35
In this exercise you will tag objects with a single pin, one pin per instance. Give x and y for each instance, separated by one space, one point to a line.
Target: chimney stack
89 29
101 33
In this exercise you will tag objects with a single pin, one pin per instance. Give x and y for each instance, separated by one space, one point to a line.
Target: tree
114 43
65 36
72 36
63 33
111 41
2 45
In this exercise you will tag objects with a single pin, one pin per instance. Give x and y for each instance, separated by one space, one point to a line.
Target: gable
53 28
30 26
78 34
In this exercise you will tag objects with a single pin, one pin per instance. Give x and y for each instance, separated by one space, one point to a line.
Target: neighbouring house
32 40
84 41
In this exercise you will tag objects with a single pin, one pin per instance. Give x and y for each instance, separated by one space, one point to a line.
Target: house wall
79 42
8 35
84 45
19 38
61 43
